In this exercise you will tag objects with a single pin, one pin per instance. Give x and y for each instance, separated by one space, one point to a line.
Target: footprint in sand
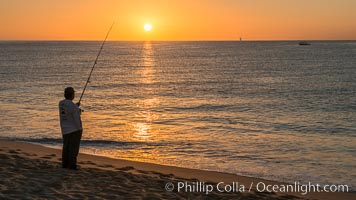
159 174
106 166
50 156
29 154
127 168
87 163
13 152
16 156
166 175
143 172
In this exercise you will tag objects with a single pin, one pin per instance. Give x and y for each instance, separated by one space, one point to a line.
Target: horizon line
236 40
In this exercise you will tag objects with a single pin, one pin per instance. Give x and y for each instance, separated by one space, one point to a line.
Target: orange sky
178 19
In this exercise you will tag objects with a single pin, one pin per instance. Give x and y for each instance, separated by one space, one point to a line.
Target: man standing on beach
71 126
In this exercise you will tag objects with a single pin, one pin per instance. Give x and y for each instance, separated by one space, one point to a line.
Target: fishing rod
95 62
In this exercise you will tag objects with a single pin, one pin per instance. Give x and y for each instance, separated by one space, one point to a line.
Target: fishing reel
78 104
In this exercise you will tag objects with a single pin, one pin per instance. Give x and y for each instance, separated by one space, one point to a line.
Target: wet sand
29 171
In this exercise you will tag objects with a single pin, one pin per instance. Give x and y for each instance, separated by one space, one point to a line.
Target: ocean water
274 110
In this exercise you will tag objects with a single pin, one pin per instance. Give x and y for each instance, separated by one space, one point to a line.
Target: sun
147 27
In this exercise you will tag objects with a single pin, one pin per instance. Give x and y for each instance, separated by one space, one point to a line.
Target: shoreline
154 176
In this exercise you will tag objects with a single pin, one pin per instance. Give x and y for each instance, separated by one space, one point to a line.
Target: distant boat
304 43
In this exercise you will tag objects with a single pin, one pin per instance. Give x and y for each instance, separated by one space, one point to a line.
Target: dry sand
29 171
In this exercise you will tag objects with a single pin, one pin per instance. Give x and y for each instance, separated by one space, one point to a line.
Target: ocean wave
85 142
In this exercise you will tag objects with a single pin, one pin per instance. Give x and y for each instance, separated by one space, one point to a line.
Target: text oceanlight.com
222 187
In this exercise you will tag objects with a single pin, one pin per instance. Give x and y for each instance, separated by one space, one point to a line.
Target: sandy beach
178 99
30 171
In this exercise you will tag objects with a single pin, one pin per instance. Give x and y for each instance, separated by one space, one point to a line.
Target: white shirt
69 115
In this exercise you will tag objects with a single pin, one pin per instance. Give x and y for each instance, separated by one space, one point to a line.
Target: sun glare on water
147 27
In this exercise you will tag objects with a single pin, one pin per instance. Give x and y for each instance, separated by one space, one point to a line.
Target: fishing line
95 62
